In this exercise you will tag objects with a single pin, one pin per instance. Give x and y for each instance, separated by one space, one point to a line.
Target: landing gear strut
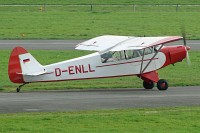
18 88
162 84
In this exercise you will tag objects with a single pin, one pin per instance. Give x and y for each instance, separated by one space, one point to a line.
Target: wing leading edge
119 43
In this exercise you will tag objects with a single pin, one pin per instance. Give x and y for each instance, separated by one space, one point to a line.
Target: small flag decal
26 60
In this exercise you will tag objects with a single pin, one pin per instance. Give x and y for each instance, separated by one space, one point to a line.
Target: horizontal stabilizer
33 74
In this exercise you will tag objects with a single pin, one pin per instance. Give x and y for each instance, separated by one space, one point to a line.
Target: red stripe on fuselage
84 78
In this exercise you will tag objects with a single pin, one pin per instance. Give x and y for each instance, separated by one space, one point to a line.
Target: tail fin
22 63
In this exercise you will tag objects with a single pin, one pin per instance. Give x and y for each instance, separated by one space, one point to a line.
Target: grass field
100 2
165 120
75 23
178 75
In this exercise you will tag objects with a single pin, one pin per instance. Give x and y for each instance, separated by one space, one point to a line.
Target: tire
148 85
18 89
162 84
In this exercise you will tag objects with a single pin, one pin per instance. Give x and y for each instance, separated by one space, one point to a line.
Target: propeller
188 59
187 48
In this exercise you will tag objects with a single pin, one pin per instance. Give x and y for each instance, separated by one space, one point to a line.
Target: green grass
100 2
75 23
178 75
165 120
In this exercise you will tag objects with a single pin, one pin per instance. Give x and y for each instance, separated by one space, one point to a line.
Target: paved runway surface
68 44
98 99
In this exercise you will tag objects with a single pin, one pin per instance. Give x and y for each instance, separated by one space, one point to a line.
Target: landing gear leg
18 88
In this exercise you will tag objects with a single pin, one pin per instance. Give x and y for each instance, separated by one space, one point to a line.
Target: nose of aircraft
178 53
175 54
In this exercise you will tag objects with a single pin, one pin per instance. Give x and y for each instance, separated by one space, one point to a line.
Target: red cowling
174 54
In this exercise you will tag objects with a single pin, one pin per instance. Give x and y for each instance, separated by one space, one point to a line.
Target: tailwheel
162 84
148 85
18 88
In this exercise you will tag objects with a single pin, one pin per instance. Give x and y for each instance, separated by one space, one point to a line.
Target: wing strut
142 62
142 70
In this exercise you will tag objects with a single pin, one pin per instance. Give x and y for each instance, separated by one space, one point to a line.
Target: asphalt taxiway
51 101
68 44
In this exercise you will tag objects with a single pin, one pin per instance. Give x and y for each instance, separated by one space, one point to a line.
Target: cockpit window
141 51
148 51
119 55
131 54
112 56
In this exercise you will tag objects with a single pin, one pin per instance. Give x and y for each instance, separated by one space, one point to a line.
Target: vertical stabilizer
22 63
14 68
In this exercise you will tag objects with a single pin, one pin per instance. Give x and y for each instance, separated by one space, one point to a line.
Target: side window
106 56
119 55
135 54
124 55
141 51
148 51
112 56
131 54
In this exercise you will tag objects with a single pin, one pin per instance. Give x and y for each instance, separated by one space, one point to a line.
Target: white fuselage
91 66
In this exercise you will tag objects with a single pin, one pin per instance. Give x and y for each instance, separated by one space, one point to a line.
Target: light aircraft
115 56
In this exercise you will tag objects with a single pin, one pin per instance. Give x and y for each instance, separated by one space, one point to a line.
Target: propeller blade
187 48
188 59
184 35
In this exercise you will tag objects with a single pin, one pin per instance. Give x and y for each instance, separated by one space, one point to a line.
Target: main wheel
148 85
162 84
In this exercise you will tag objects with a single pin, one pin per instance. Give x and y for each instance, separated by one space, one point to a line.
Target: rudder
22 63
14 67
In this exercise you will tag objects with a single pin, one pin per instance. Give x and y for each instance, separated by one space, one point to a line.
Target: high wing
102 43
144 42
119 43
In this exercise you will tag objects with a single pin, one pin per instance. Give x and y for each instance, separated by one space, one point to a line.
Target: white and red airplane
116 56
